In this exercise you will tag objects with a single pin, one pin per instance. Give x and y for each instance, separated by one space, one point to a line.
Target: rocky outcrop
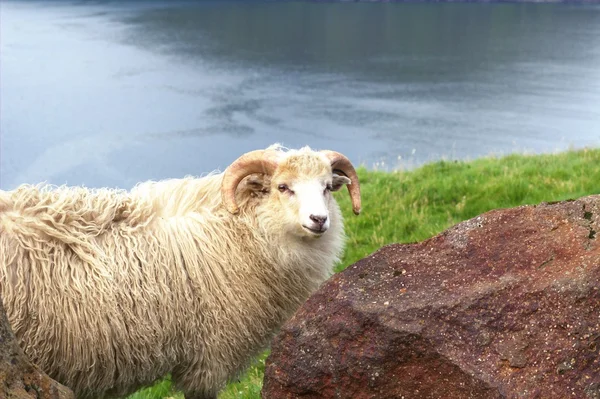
19 378
505 305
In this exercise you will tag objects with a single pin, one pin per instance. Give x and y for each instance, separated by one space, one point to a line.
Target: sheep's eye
283 188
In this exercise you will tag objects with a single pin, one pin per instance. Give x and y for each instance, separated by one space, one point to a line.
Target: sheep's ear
339 181
255 184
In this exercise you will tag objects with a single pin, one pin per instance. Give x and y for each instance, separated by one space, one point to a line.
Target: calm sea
109 93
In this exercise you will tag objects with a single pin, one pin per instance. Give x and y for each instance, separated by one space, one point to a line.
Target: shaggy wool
109 290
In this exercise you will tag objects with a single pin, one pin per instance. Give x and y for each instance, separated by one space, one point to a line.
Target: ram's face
302 188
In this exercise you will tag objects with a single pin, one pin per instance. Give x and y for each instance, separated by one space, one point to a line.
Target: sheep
108 290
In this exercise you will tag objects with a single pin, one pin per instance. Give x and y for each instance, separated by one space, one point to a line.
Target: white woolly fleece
109 290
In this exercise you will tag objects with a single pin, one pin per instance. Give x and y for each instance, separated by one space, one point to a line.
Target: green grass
411 206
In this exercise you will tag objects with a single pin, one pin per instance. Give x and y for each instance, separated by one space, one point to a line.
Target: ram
109 290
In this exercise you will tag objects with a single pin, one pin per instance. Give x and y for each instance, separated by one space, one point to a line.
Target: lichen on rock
19 378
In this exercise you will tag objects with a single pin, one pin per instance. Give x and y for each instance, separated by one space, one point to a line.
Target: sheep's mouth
314 231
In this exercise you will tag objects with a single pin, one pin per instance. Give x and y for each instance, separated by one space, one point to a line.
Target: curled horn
340 163
259 161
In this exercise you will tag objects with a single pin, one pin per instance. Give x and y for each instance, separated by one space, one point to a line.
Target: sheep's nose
320 220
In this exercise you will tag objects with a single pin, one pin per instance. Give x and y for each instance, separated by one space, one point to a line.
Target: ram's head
298 185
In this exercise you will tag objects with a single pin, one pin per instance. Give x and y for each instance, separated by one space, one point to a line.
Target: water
109 93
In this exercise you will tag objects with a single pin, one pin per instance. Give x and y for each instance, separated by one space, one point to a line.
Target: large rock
19 378
505 305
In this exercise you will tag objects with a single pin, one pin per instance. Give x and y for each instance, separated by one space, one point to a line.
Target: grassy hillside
413 205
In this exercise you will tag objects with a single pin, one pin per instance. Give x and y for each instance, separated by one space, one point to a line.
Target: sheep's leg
192 384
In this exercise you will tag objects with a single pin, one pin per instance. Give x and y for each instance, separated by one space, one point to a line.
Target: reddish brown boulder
19 378
505 305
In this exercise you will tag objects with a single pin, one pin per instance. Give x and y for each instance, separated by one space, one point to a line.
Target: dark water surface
109 93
